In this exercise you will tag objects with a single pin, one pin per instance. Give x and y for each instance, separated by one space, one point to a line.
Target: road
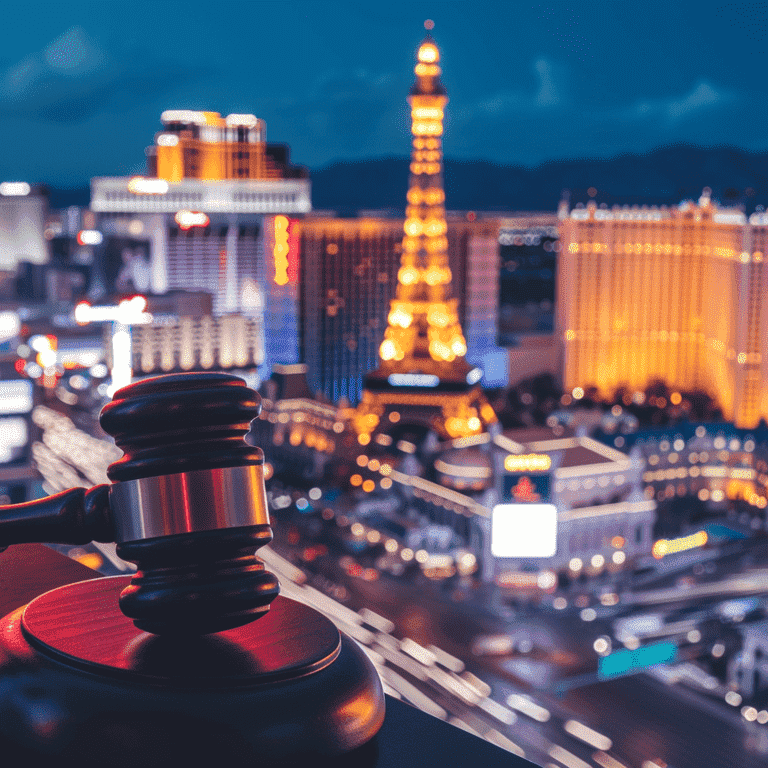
644 720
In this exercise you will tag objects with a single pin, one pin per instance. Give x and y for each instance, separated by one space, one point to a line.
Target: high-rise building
348 278
206 146
23 247
214 209
349 273
674 294
423 378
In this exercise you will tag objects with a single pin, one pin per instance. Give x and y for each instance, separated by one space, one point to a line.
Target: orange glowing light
428 53
664 547
281 249
527 462
423 309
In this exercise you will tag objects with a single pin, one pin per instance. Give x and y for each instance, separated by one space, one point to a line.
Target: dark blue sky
82 84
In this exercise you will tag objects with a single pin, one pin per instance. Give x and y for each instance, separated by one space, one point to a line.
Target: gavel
187 505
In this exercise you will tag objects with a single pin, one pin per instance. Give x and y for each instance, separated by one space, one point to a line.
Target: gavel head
188 503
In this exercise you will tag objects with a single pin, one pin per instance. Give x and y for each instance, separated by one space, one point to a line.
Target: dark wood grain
28 570
408 738
82 625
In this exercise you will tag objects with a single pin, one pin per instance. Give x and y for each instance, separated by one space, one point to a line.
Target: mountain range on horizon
665 176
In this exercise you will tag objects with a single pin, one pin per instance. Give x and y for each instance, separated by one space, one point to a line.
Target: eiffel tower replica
423 378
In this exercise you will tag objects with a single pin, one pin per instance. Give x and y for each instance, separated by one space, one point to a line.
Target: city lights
530 462
189 219
89 237
143 186
475 420
664 547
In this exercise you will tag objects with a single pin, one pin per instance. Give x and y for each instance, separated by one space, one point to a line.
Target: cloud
73 78
551 92
673 109
546 122
548 94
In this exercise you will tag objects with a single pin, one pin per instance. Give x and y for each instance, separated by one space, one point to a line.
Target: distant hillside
662 177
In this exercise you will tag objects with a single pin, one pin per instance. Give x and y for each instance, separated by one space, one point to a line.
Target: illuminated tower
423 378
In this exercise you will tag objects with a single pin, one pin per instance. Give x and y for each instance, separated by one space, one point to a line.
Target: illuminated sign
281 249
14 435
524 530
526 488
183 116
413 380
139 185
474 376
528 462
89 237
15 189
242 121
128 312
664 547
625 661
10 325
15 397
189 219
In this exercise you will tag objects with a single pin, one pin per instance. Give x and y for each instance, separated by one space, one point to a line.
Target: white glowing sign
10 325
167 140
244 121
15 397
15 189
524 530
413 380
183 116
128 312
474 376
189 219
138 185
89 237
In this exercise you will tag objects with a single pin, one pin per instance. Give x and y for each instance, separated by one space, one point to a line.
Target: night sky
82 84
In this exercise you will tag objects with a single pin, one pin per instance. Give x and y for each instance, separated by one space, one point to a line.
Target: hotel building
671 294
349 270
217 208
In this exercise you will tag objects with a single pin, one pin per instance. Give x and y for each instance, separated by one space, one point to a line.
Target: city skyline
81 84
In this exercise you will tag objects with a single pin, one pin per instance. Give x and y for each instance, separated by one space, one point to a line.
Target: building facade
217 210
348 274
666 294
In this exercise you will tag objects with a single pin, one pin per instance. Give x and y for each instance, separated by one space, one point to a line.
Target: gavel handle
76 516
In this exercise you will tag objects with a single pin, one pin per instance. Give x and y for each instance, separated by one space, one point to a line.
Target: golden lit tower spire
422 354
423 325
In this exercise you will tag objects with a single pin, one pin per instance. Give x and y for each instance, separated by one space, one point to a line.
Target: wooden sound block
78 678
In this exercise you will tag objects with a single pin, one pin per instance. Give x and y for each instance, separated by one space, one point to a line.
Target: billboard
626 661
16 396
529 487
524 530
